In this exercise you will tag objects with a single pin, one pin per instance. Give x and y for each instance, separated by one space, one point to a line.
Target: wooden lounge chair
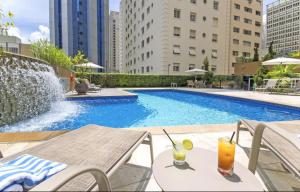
283 144
270 85
92 154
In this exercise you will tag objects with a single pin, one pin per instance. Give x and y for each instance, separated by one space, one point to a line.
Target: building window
237 6
177 31
176 49
257 34
214 54
247 32
216 5
193 17
246 54
247 43
193 1
248 21
235 53
192 66
177 13
192 51
236 18
193 34
176 67
258 13
236 41
215 21
247 9
214 38
236 30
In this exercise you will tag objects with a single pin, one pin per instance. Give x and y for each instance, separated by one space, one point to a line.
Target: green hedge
127 80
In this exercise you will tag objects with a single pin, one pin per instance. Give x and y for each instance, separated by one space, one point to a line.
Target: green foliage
244 59
206 64
42 49
271 54
256 55
128 80
208 77
79 59
281 71
260 75
295 54
6 21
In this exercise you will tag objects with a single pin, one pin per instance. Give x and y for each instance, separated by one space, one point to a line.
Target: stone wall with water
27 88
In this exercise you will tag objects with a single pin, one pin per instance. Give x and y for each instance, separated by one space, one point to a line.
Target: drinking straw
232 137
170 138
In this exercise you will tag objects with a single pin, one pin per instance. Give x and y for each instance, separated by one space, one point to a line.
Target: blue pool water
167 108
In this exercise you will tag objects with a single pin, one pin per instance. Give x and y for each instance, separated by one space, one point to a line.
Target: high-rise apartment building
283 25
81 25
114 42
172 36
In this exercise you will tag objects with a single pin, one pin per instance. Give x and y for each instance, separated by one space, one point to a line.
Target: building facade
14 44
114 42
283 25
81 25
173 36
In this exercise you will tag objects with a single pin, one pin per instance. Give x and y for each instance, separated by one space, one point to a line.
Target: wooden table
200 174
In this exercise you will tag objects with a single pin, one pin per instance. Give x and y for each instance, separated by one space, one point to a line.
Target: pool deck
104 93
204 136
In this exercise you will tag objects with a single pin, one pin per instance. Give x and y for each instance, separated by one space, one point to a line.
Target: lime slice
187 144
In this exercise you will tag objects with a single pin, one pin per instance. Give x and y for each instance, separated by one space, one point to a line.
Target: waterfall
27 89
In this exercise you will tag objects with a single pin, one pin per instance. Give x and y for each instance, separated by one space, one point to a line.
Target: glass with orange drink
226 153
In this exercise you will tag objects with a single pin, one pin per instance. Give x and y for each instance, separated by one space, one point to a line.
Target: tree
256 55
6 21
206 64
42 49
271 54
281 71
260 75
79 59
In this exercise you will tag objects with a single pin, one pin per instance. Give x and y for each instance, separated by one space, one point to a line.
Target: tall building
114 42
81 25
283 25
172 36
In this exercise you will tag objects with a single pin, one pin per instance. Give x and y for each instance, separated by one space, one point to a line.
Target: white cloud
42 33
15 31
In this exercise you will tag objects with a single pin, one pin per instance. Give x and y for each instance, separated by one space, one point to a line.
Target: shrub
42 49
126 80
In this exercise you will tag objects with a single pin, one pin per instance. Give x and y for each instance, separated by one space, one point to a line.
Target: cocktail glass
226 153
179 154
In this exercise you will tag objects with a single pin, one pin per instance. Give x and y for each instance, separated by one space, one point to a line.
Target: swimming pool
159 108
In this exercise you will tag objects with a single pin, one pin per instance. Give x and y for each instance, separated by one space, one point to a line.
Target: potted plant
81 86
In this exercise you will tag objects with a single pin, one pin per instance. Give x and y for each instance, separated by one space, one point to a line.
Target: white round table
200 174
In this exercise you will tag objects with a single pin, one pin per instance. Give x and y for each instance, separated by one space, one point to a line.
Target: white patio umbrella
89 66
196 72
282 61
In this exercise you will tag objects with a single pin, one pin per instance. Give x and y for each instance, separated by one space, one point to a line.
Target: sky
31 17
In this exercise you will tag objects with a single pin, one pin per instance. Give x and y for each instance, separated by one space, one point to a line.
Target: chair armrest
59 180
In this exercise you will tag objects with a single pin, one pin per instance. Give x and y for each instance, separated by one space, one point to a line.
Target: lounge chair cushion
27 171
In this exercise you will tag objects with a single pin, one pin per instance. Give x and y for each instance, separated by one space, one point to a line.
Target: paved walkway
271 98
112 92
